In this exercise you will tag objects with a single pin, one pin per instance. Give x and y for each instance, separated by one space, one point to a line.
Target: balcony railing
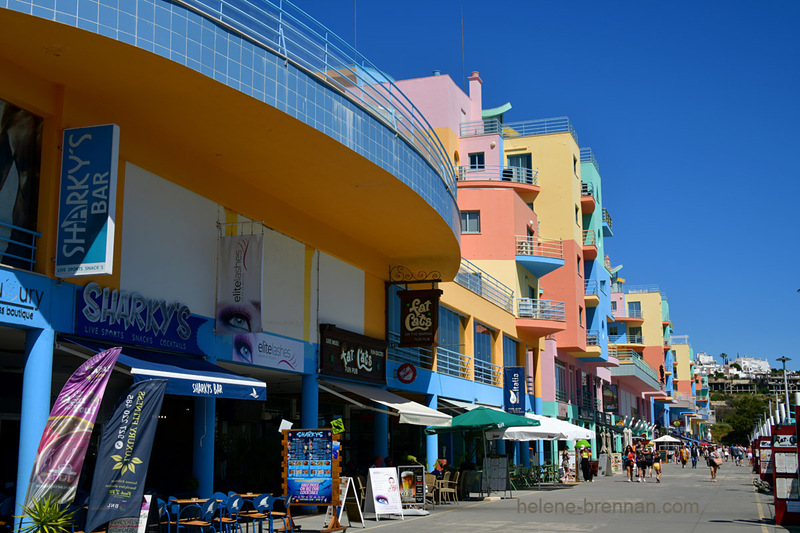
562 396
452 363
587 156
539 247
476 280
522 175
421 357
593 337
680 339
591 286
638 289
293 34
540 309
18 252
589 238
489 373
587 189
607 219
615 351
526 128
640 363
625 339
587 402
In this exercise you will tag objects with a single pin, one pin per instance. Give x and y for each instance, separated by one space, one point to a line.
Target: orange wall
503 216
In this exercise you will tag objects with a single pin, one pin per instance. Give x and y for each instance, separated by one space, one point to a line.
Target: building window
449 330
613 306
483 343
510 347
575 165
577 216
476 161
562 389
612 331
635 335
580 317
580 271
470 222
635 309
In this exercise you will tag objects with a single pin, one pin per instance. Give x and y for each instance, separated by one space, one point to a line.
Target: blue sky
691 109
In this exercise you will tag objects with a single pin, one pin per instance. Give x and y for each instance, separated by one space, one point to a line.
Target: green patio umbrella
583 442
482 419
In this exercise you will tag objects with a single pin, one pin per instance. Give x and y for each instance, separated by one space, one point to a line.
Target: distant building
751 365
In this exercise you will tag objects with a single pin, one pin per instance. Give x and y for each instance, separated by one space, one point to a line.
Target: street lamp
785 383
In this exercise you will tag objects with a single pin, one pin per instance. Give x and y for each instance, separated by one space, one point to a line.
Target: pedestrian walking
641 463
695 453
684 456
714 460
657 466
586 466
629 457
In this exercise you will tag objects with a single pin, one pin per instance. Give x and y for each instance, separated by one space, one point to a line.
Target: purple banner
62 449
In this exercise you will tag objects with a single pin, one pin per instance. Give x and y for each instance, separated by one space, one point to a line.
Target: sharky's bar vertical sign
419 317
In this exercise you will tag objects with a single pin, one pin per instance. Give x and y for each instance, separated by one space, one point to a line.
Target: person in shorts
641 463
657 465
648 460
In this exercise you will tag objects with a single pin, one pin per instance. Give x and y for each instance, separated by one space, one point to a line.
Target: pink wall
547 367
439 99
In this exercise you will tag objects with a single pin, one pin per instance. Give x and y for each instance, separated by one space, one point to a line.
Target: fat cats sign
419 317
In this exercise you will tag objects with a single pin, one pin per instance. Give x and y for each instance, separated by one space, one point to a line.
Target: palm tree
724 357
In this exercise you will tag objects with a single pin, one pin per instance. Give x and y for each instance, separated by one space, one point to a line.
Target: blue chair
229 514
283 515
205 519
163 516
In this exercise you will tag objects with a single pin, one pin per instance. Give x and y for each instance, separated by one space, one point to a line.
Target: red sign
406 373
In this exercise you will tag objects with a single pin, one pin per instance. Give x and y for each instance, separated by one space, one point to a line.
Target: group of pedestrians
644 459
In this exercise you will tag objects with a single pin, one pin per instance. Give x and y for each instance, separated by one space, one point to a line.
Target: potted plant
46 516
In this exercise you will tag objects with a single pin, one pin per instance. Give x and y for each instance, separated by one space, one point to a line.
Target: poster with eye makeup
268 351
239 284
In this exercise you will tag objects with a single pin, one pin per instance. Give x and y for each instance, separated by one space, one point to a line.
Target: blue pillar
205 412
537 409
380 432
500 447
525 453
309 406
37 380
432 441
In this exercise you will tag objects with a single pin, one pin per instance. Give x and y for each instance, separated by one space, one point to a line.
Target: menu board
412 484
786 488
766 460
785 462
310 465
616 462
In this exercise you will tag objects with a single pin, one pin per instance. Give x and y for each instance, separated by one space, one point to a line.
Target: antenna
463 68
355 32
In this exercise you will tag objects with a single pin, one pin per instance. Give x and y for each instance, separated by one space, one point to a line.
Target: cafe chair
430 489
228 518
284 515
448 488
205 520
164 520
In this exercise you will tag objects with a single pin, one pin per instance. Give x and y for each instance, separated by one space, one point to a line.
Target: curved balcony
589 245
510 175
540 317
633 367
539 256
260 97
608 225
591 291
588 202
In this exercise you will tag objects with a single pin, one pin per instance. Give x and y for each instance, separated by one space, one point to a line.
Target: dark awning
186 375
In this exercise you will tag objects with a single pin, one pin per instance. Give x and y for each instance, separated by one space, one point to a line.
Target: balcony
540 317
591 292
589 245
633 366
608 229
419 357
632 315
588 202
626 339
510 175
18 245
592 337
481 283
453 363
488 373
539 256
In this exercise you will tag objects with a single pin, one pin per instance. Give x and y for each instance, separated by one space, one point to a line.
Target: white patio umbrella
548 429
667 438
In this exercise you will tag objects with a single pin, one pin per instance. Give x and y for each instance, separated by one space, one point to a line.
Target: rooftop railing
522 175
526 128
481 283
489 373
637 289
587 156
680 339
294 35
19 251
540 309
539 247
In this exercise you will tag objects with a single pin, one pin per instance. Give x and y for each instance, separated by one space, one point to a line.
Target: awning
186 375
410 412
456 404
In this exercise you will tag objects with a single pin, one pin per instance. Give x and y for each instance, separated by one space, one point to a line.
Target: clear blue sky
691 109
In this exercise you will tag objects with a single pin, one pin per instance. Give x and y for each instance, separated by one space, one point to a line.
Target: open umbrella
482 418
667 438
583 442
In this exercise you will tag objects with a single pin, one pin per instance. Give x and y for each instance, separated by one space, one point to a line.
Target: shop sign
514 389
677 423
406 373
348 355
602 418
585 414
610 398
24 299
268 351
130 318
419 317
85 239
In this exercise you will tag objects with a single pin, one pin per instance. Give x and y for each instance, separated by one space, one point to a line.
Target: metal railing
625 339
640 363
476 280
562 396
476 128
540 309
680 339
587 189
607 219
421 357
289 32
637 289
18 252
540 247
591 286
587 156
616 351
522 175
489 373
589 238
587 402
526 128
592 337
452 363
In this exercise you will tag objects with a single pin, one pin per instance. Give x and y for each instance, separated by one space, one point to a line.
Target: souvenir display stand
784 475
311 472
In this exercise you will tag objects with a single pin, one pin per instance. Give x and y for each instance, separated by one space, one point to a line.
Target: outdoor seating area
533 477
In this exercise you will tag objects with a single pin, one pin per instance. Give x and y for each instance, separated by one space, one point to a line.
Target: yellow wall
683 357
652 329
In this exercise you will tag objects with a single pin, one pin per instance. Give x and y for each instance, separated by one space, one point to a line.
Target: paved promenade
684 501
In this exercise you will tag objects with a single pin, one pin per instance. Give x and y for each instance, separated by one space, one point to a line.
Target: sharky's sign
419 317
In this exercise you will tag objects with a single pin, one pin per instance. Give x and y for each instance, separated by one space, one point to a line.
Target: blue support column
380 432
205 413
525 453
309 407
537 409
432 441
37 380
500 447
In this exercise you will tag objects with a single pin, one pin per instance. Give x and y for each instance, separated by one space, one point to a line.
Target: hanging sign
239 284
348 355
514 393
419 317
85 237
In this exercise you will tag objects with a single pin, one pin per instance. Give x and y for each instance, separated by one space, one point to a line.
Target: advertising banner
268 351
124 454
61 452
610 398
85 239
348 355
383 493
514 389
239 284
412 485
419 317
309 473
